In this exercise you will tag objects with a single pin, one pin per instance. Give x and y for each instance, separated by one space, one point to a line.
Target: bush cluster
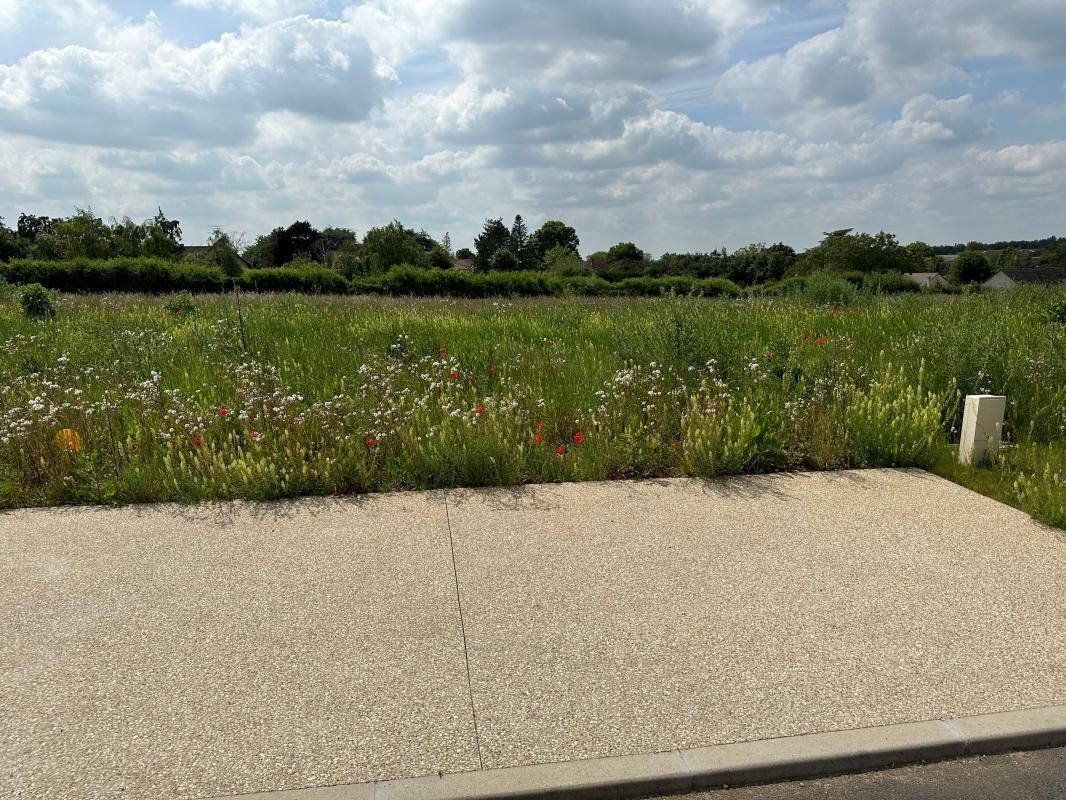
156 276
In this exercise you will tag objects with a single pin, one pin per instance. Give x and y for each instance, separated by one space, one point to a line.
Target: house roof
464 264
1045 275
926 278
1001 278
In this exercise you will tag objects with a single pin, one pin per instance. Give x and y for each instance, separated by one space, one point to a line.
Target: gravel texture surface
183 652
162 652
614 618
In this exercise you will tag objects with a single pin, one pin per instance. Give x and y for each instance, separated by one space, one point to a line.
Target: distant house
464 264
1001 280
928 280
201 252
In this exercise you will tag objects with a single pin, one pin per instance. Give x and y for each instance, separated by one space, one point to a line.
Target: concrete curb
763 761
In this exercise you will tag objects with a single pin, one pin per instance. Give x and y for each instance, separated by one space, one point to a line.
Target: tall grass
313 395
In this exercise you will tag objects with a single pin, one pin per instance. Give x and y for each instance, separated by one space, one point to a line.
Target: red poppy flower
538 425
480 409
371 443
455 375
223 411
196 442
538 438
579 437
560 450
492 370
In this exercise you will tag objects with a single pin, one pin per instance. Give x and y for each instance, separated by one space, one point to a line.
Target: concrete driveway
166 651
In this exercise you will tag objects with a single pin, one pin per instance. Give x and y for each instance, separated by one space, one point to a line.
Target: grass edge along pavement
759 761
128 398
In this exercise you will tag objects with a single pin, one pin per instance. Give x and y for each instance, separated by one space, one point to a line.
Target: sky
680 125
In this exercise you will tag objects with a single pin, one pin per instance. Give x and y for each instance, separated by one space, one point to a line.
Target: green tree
260 252
518 243
30 226
505 260
333 239
440 258
624 251
971 266
920 257
84 235
843 251
127 238
1010 258
162 236
757 264
465 253
552 233
11 244
299 239
493 237
564 261
390 245
222 252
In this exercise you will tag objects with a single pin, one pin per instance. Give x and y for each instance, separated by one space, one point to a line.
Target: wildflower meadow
121 398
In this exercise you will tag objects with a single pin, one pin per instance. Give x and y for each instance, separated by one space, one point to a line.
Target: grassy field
118 399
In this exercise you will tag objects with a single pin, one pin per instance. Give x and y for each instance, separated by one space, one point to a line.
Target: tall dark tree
552 233
971 266
162 236
299 239
494 236
518 243
11 244
29 226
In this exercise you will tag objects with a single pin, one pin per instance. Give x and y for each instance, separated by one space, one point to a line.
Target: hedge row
154 275
116 275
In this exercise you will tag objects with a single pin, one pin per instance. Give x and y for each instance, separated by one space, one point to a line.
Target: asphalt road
1034 775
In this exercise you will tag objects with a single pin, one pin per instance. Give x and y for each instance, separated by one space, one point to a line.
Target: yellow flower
69 440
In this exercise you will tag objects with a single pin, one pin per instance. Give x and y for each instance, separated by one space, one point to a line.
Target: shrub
895 423
180 304
716 287
826 289
1056 312
505 260
888 283
37 302
730 437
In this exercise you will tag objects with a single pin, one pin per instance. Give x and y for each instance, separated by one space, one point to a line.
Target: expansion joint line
462 627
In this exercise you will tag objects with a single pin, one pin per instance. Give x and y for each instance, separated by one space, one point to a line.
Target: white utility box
982 427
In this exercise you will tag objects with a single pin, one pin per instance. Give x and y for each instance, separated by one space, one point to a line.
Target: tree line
554 248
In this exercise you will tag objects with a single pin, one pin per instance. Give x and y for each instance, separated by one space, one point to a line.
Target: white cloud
260 10
146 91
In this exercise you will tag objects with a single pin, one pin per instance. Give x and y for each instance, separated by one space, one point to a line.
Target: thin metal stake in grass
240 317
